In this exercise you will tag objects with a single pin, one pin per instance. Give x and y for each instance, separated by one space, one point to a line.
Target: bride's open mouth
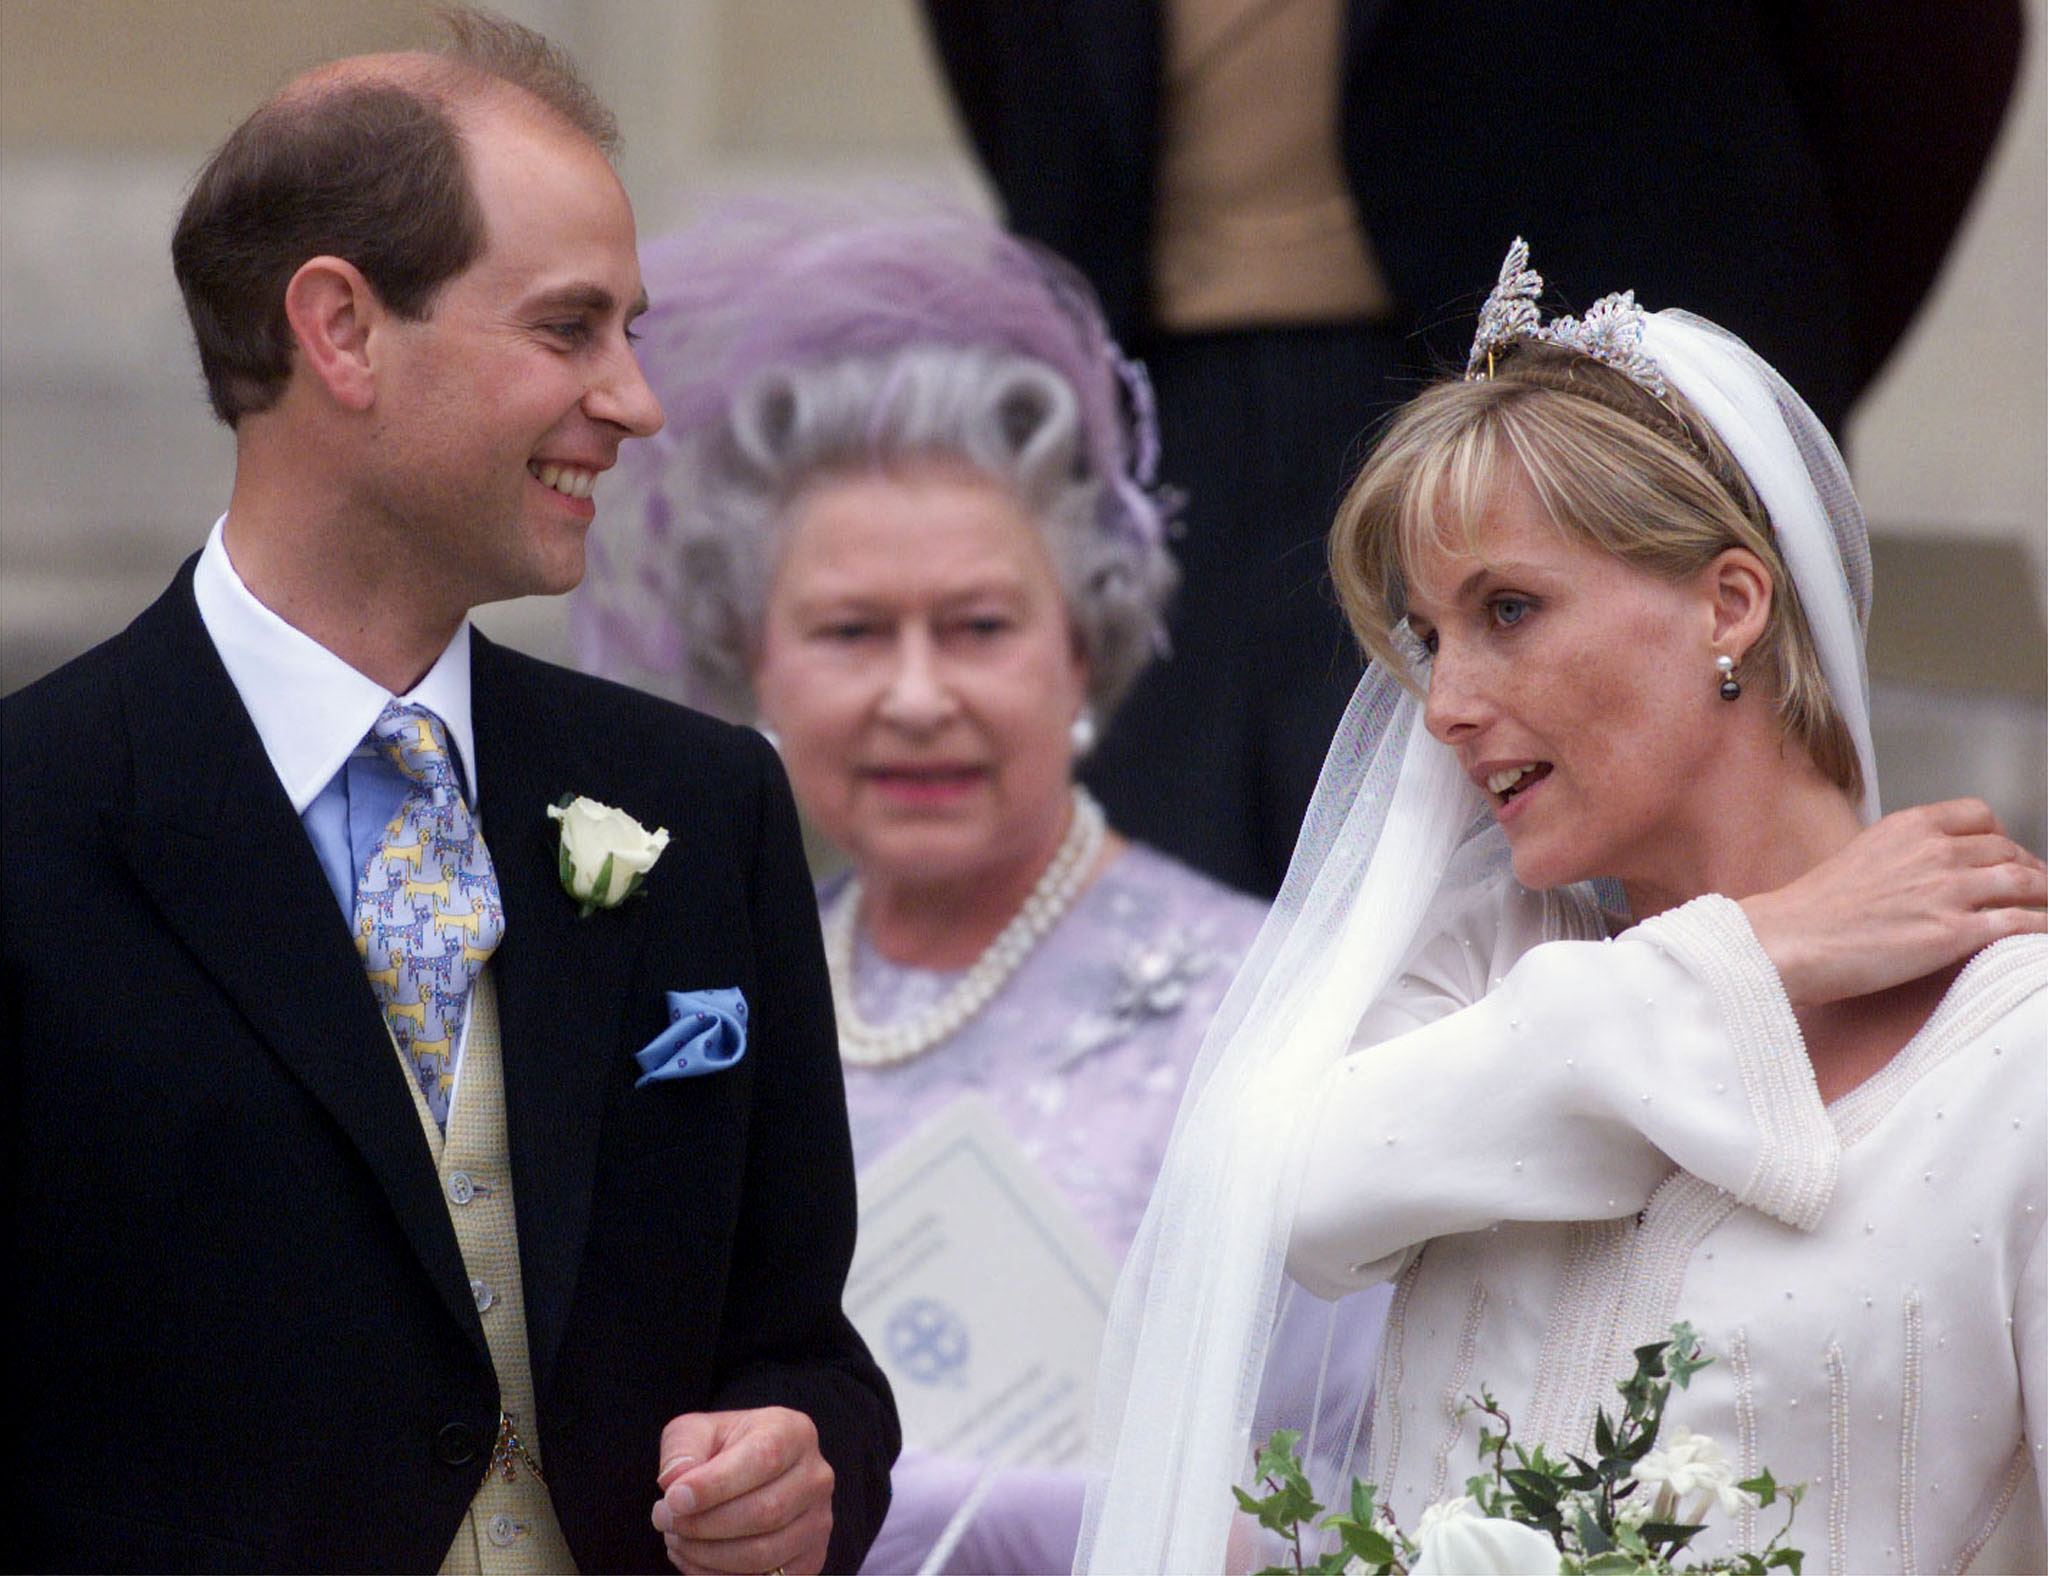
1511 781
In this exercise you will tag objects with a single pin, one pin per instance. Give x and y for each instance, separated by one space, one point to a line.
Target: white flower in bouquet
1444 1510
1690 1464
1531 1511
1465 1544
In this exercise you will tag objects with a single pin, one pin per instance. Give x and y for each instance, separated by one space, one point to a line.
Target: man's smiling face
496 411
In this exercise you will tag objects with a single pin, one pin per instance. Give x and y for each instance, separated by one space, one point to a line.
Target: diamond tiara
1611 332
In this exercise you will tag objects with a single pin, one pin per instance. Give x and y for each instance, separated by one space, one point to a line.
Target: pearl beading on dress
1838 1459
1795 1166
1383 1448
2015 1474
1909 1434
862 1044
1578 1335
1745 1429
1453 1398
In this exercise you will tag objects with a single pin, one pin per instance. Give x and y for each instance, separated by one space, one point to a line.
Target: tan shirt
1253 223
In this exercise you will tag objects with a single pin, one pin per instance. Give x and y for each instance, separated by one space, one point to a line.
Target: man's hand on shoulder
744 1492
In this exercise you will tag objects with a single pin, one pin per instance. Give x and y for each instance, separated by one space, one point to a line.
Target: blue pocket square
706 1033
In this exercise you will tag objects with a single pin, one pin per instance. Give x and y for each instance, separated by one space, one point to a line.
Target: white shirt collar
311 709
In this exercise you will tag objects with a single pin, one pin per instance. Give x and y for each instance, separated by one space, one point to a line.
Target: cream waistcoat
511 1528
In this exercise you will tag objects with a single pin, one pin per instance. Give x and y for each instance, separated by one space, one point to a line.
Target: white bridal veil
1395 829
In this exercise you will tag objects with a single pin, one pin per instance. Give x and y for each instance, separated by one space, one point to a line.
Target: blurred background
112 470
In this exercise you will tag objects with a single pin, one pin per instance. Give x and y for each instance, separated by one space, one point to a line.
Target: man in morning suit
348 1227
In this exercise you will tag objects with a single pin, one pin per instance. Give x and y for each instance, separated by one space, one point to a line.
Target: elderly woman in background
901 517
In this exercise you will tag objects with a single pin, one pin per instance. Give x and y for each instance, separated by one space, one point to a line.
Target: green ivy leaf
1538 1490
1365 1543
1786 1559
1763 1486
1668 1537
1685 1354
1278 1458
1485 1493
1283 1511
1290 1504
1631 1539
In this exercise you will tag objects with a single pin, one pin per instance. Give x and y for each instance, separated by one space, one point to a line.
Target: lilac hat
760 285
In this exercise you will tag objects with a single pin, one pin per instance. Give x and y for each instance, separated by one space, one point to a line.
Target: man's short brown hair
365 165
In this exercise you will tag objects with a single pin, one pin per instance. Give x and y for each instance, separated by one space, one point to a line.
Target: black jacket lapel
563 981
215 842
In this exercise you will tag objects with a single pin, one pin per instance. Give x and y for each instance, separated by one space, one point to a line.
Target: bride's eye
1509 611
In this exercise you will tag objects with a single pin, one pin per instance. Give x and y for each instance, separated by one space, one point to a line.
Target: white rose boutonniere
605 853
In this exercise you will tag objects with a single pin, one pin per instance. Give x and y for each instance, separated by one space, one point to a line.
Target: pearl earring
1731 687
1082 733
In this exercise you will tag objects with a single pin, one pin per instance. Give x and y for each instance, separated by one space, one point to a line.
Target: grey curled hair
1009 418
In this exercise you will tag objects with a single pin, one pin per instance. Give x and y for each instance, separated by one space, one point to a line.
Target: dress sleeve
1567 1091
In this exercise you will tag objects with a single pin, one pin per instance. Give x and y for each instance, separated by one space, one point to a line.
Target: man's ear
332 310
1739 592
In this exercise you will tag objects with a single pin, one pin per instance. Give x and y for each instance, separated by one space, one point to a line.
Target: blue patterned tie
428 913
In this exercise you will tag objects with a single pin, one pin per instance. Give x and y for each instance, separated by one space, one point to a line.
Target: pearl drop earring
1731 687
1083 732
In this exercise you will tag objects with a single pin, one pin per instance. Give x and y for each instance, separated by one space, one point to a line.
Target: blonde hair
1640 477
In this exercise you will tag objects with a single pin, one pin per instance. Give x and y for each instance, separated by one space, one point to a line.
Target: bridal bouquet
1633 1508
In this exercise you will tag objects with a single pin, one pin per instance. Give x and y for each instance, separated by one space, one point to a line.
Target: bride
1600 996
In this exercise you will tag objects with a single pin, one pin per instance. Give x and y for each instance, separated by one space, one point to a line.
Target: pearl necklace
862 1044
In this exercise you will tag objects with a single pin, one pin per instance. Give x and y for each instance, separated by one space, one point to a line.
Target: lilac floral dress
1083 1053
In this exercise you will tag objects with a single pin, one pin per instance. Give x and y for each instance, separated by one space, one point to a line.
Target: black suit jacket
238 1330
1793 171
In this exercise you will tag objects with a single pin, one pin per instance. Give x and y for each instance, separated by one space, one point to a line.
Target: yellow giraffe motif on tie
430 876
